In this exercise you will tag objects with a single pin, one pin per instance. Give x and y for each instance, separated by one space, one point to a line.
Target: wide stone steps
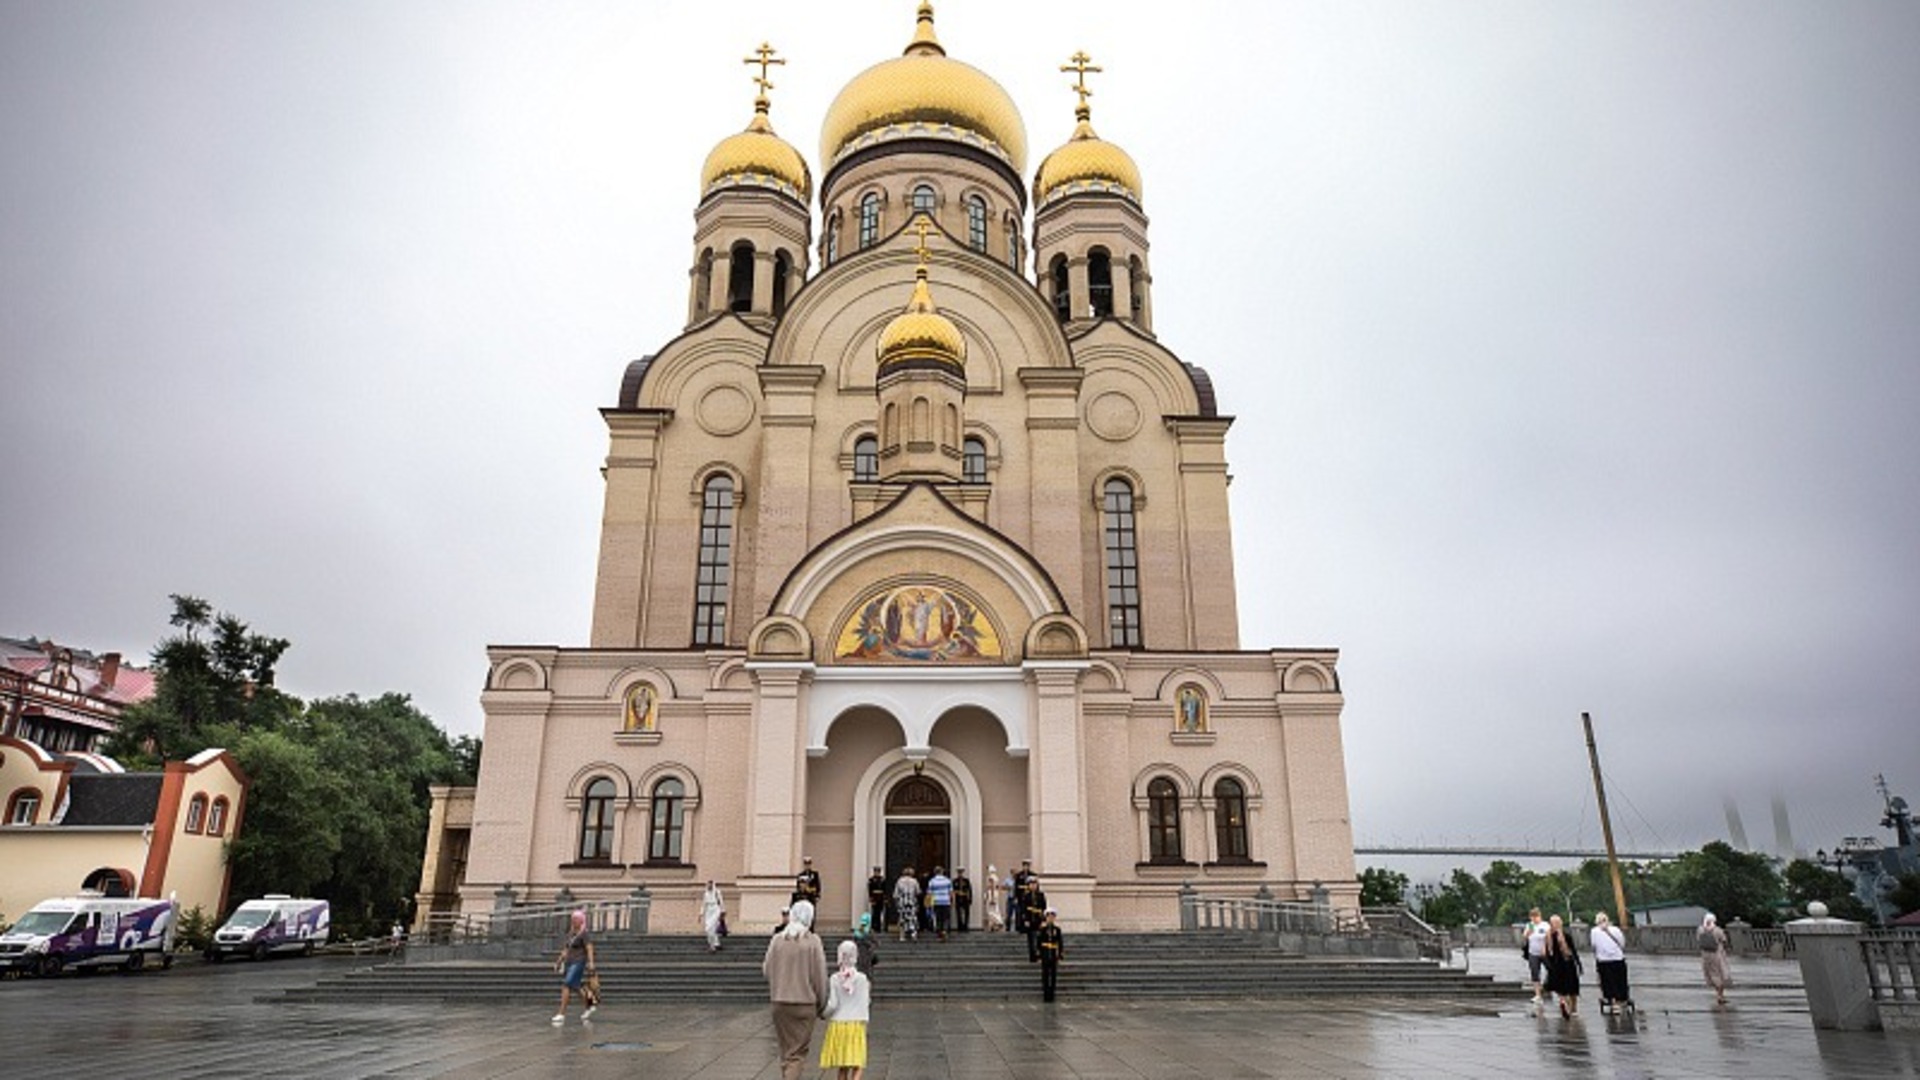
969 967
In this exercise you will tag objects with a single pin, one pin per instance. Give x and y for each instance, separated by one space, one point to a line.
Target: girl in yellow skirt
848 1004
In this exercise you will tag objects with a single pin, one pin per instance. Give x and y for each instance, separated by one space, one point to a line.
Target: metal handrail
529 922
1200 912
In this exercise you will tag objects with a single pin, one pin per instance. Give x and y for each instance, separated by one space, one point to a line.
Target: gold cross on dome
764 57
1080 64
921 248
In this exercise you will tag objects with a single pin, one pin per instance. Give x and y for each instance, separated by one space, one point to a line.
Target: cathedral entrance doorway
919 827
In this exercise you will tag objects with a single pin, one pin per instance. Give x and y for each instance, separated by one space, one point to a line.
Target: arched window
1123 566
921 424
1136 282
217 817
782 266
890 425
740 278
1062 296
833 240
596 821
669 820
950 425
869 220
923 199
714 574
977 223
23 806
197 813
866 458
1013 244
1230 820
1163 821
703 282
973 461
1100 283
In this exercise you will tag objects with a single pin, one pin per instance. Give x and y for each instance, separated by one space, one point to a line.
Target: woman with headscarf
713 915
573 964
1610 962
796 971
850 999
1563 967
1713 958
991 919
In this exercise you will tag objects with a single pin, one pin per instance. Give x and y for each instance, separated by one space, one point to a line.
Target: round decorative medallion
1113 416
724 410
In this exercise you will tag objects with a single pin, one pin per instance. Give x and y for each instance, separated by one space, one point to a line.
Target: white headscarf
849 957
1708 923
799 919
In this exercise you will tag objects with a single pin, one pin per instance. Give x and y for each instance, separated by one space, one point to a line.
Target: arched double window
197 814
23 806
866 458
923 199
596 821
973 461
668 818
1163 821
714 574
1062 294
1100 283
977 223
1123 565
869 220
740 278
1230 820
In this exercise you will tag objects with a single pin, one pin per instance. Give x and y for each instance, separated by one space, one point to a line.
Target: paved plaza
204 1022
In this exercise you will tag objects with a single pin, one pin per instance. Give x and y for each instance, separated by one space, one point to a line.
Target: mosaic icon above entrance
918 624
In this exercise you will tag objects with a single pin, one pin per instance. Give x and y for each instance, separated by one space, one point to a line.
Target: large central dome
924 94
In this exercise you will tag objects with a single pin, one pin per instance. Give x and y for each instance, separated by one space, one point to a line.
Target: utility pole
1606 823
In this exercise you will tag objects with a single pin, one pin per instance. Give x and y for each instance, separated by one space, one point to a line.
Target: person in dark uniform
1022 875
806 884
1053 949
962 899
877 891
1035 911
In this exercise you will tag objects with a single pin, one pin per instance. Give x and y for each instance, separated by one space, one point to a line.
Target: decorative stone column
1057 818
777 818
1838 993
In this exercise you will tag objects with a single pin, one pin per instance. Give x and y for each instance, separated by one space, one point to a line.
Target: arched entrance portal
108 881
919 826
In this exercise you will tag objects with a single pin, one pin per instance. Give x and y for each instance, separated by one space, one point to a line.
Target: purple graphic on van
90 931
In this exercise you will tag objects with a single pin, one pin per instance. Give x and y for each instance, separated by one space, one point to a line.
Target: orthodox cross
920 249
1080 64
764 57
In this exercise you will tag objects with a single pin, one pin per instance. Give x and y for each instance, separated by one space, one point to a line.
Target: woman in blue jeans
573 963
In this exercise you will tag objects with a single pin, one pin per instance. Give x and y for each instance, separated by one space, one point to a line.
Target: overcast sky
1575 349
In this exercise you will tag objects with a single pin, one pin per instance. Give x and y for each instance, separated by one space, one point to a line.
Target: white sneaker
560 1018
588 1015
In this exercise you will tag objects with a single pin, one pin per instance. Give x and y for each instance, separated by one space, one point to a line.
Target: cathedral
915 551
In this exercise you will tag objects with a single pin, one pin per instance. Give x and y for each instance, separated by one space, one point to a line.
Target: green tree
1380 887
1731 884
1906 894
1809 881
1509 891
214 676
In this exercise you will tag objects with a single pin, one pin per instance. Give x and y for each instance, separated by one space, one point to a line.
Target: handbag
590 990
723 924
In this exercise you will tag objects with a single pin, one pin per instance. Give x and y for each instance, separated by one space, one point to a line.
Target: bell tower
1089 231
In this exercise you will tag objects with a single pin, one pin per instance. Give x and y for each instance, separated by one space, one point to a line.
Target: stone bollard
1838 993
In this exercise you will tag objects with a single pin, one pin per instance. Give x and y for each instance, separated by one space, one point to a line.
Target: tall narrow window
973 461
1013 244
1062 296
596 821
866 458
703 283
740 278
869 220
197 814
217 817
923 199
715 572
833 240
1123 567
977 223
1136 283
1100 283
782 266
1163 821
668 817
1230 819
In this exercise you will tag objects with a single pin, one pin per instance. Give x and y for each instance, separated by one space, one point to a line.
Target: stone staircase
974 967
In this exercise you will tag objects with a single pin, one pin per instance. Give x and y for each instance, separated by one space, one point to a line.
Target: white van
89 931
274 923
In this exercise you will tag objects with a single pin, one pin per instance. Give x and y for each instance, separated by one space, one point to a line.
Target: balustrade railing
1893 965
1200 912
535 922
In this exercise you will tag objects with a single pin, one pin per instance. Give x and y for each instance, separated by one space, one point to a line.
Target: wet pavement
202 1022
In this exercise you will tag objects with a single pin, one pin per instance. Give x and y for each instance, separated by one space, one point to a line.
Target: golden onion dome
921 333
1086 163
924 94
757 157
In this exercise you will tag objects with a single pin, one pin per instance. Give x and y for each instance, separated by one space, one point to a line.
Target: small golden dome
924 94
921 332
757 157
1086 163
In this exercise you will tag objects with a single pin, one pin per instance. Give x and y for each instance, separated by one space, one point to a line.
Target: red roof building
65 699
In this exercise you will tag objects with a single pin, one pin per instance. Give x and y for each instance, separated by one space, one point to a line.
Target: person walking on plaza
574 963
1610 963
940 899
1533 945
906 902
877 898
796 971
849 1003
1035 913
713 915
806 883
1713 958
962 900
1052 950
1563 967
